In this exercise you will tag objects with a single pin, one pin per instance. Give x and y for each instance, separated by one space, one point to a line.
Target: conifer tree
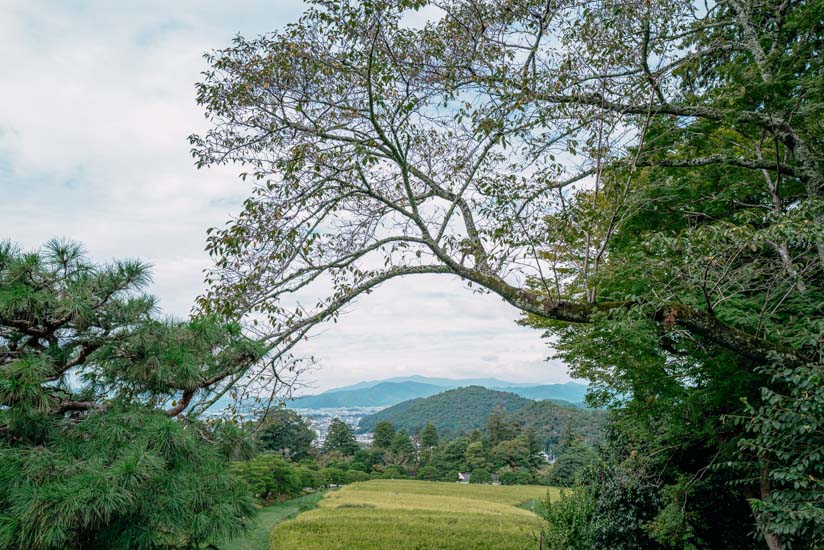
340 438
94 452
429 436
384 433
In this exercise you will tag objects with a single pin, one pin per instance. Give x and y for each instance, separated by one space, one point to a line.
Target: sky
96 103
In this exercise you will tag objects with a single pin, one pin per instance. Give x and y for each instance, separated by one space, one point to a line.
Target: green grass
258 536
402 514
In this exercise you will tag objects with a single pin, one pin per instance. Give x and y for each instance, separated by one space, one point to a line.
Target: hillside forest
641 181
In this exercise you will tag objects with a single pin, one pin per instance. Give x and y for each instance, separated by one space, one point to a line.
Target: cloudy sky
96 102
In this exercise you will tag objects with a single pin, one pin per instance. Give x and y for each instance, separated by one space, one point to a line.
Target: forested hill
459 411
551 421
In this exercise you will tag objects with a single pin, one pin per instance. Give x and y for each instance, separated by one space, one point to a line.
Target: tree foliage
287 432
643 179
91 454
384 434
340 438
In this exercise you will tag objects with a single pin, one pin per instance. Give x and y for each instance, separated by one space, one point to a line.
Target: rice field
402 514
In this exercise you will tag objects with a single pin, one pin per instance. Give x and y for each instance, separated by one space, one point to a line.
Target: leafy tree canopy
286 431
643 179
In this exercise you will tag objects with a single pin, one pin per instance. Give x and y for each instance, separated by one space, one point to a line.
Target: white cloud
97 102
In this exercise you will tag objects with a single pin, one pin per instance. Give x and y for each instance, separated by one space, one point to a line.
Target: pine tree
89 456
340 438
429 436
402 447
384 433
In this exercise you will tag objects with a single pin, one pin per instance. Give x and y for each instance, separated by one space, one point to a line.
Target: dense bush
480 475
451 475
508 477
357 476
335 476
126 478
393 472
310 478
270 476
428 473
569 519
575 458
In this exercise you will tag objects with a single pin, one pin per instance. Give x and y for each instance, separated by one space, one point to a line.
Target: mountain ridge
380 395
391 391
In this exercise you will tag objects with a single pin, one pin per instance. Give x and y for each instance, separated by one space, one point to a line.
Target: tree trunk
772 540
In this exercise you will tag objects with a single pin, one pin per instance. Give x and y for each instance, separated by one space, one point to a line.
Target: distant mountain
382 394
571 392
369 393
448 383
453 412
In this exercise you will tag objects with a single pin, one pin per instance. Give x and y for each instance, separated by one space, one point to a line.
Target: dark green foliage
476 455
575 458
234 440
499 427
513 453
428 473
569 520
429 436
402 445
310 479
287 432
270 477
334 476
357 476
508 477
384 433
451 455
393 472
126 478
480 475
90 455
786 434
340 438
368 457
548 421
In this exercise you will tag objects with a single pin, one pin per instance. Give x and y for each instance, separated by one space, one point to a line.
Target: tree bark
772 540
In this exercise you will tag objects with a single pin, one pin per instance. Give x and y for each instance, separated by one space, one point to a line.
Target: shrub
569 520
508 478
269 476
480 475
451 475
393 472
335 476
356 476
310 479
429 473
575 458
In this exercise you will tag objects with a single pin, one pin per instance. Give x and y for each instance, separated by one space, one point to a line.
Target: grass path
268 517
